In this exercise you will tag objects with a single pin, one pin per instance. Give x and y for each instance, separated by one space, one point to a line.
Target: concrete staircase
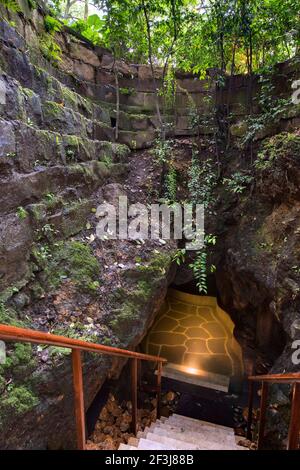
181 433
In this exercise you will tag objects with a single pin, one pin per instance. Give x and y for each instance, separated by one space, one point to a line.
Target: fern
52 25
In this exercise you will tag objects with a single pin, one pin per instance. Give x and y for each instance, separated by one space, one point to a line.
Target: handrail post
134 382
158 404
294 430
78 399
250 410
262 416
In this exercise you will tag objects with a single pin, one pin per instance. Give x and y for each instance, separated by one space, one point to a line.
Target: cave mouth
196 337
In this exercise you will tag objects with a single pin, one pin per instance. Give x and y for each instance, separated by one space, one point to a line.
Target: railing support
78 399
158 384
262 417
294 431
250 410
134 382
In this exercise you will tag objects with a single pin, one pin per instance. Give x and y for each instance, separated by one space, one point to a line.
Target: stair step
171 441
203 441
145 444
202 429
198 421
192 422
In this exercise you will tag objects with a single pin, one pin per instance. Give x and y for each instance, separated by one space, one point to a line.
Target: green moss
19 400
124 319
8 316
75 261
157 265
280 146
19 359
53 110
15 374
121 152
70 98
28 92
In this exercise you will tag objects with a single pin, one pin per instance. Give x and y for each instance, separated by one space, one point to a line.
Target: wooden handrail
294 428
13 333
277 378
16 334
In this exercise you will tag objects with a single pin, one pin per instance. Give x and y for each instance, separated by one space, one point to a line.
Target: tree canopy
236 36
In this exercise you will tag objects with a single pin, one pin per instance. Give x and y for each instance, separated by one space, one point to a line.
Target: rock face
59 160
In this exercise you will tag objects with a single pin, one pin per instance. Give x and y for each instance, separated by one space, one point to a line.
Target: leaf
94 21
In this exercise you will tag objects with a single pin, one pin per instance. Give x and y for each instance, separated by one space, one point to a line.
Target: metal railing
294 428
15 334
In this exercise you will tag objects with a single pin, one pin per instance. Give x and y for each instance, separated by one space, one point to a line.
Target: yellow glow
192 370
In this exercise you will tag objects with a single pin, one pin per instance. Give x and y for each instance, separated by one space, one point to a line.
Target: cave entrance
196 336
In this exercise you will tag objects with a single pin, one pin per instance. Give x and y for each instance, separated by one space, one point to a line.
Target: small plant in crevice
127 91
48 231
202 181
179 256
71 155
21 213
238 183
162 150
171 183
199 265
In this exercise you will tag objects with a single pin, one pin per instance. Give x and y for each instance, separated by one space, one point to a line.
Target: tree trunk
159 116
117 102
86 9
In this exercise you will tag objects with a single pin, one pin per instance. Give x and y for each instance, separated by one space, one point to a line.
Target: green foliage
90 28
179 257
50 49
171 183
199 266
279 146
22 213
11 5
272 108
238 182
127 91
32 4
202 180
236 36
52 25
162 150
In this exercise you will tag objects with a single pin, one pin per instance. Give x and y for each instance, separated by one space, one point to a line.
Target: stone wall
87 70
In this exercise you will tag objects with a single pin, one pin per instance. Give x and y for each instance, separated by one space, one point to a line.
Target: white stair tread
201 441
170 441
198 427
202 432
198 422
211 433
146 444
182 433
